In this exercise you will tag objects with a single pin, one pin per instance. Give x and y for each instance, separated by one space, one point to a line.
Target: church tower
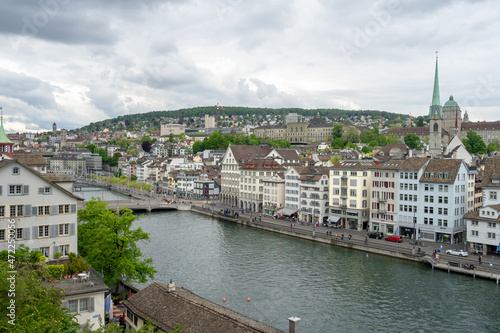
436 118
6 146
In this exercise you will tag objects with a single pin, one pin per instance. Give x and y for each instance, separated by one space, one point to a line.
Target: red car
394 238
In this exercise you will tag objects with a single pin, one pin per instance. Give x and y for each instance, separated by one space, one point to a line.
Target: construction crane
219 107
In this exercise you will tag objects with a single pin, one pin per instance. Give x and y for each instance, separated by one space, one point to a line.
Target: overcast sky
76 63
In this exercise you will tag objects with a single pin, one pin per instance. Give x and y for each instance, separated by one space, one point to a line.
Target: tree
107 241
474 143
337 143
366 149
350 134
493 146
38 306
335 159
146 146
337 131
123 143
420 121
413 141
171 138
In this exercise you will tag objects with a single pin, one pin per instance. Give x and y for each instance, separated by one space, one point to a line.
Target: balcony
382 199
343 195
343 206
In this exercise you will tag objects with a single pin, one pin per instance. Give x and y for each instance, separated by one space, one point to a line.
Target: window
45 190
2 210
2 234
491 235
474 233
64 229
45 251
492 225
16 210
43 231
73 306
15 189
84 304
64 249
493 195
43 210
16 171
19 233
63 209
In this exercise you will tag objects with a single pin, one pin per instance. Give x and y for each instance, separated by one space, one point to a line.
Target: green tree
474 143
108 242
413 141
133 178
171 138
337 143
337 131
420 121
102 152
366 149
38 306
335 159
493 146
350 134
123 143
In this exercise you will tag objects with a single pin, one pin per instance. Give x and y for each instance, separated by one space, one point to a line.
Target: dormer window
495 180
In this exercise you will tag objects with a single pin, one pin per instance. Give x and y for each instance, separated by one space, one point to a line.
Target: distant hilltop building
446 122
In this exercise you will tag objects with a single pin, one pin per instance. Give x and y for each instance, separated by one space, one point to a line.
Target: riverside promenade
488 269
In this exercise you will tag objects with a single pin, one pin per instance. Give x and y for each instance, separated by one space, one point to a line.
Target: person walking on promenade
336 236
479 260
349 236
342 237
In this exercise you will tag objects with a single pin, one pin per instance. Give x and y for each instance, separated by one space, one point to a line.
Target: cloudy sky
76 62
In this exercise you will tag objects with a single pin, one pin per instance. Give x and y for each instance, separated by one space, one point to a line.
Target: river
331 289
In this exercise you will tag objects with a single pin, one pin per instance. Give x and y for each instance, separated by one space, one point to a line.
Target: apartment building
292 191
313 194
350 194
483 225
252 175
274 193
384 197
43 215
233 160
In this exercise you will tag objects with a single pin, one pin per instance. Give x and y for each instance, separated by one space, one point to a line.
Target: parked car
460 253
394 238
376 234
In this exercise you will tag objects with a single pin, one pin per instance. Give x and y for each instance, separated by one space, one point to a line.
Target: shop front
407 232
427 234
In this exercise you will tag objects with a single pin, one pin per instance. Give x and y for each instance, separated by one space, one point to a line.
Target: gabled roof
414 163
491 176
5 163
243 153
451 166
195 313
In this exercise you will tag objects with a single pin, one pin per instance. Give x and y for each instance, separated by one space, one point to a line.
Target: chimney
293 324
170 287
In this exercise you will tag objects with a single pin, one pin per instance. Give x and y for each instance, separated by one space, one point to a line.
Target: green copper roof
451 103
3 136
436 104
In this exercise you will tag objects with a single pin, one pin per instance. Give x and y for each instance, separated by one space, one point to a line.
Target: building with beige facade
174 129
350 194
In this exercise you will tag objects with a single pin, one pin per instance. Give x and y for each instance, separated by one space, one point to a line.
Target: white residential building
43 215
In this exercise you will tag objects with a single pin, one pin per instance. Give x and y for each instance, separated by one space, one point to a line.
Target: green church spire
436 103
3 137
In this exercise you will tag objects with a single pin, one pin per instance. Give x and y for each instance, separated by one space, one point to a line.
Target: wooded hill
250 116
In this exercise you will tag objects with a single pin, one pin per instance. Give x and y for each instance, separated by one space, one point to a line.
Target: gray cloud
79 62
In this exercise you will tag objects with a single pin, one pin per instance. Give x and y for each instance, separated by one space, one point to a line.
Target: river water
331 289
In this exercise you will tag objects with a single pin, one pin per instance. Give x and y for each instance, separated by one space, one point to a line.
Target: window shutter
26 189
34 210
35 249
72 229
40 190
55 209
73 208
56 249
65 304
27 210
35 232
91 305
0 190
54 230
26 233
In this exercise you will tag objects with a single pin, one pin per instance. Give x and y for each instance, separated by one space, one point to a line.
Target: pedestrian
491 264
418 250
291 225
327 232
336 236
349 236
479 260
342 237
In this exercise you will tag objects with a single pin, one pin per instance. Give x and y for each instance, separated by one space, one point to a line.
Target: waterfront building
233 160
383 196
349 191
252 175
43 212
483 225
274 193
409 175
292 191
185 182
313 191
442 201
68 164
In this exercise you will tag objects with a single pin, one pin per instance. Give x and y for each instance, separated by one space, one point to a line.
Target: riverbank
357 242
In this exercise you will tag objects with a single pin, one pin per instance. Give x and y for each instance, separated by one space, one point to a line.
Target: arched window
436 127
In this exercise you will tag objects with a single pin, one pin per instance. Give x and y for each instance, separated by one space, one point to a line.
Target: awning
333 218
288 211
